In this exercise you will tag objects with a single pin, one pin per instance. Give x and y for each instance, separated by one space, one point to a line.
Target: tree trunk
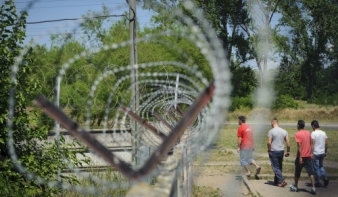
310 87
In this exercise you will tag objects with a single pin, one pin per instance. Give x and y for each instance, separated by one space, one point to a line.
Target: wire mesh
167 110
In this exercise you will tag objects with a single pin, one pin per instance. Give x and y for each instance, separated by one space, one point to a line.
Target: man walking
319 141
275 144
246 146
303 159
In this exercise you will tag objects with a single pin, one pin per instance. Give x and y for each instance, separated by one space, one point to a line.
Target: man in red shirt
304 154
246 146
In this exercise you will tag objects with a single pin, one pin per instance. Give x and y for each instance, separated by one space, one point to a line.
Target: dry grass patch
306 112
103 185
218 170
216 156
202 191
225 156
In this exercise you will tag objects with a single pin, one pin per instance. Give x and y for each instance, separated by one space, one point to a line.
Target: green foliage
311 29
81 74
40 159
283 102
243 80
325 100
325 91
241 102
226 17
288 80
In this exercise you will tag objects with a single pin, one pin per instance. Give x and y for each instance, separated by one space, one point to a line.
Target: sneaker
313 190
282 184
293 188
258 170
326 182
318 185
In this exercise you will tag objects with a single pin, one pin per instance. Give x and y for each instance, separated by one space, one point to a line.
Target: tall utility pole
176 89
56 124
133 78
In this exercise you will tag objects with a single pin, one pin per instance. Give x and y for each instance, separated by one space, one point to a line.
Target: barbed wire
169 137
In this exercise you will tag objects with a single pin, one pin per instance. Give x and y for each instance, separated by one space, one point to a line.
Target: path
265 189
235 186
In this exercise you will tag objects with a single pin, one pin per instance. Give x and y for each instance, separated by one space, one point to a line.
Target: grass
223 150
202 191
306 112
216 155
218 170
219 155
116 178
228 140
101 189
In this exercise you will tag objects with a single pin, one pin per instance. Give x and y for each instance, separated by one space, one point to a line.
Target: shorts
246 157
307 164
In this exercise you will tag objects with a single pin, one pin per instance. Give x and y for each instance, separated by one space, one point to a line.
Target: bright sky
60 9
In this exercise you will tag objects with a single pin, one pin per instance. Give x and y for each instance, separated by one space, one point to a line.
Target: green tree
166 47
311 28
228 19
260 34
288 80
245 81
93 28
81 74
41 159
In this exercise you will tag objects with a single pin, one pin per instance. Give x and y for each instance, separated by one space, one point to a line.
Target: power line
67 6
32 33
40 35
74 19
51 1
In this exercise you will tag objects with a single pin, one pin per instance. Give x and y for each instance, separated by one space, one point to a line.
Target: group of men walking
311 151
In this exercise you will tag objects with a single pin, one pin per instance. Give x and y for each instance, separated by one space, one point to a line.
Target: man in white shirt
319 139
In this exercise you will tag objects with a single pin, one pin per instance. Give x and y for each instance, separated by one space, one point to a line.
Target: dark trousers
276 158
307 164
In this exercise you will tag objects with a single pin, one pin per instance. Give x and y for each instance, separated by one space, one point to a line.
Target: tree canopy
23 131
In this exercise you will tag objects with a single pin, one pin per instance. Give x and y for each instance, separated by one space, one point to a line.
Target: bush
325 100
241 102
285 101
